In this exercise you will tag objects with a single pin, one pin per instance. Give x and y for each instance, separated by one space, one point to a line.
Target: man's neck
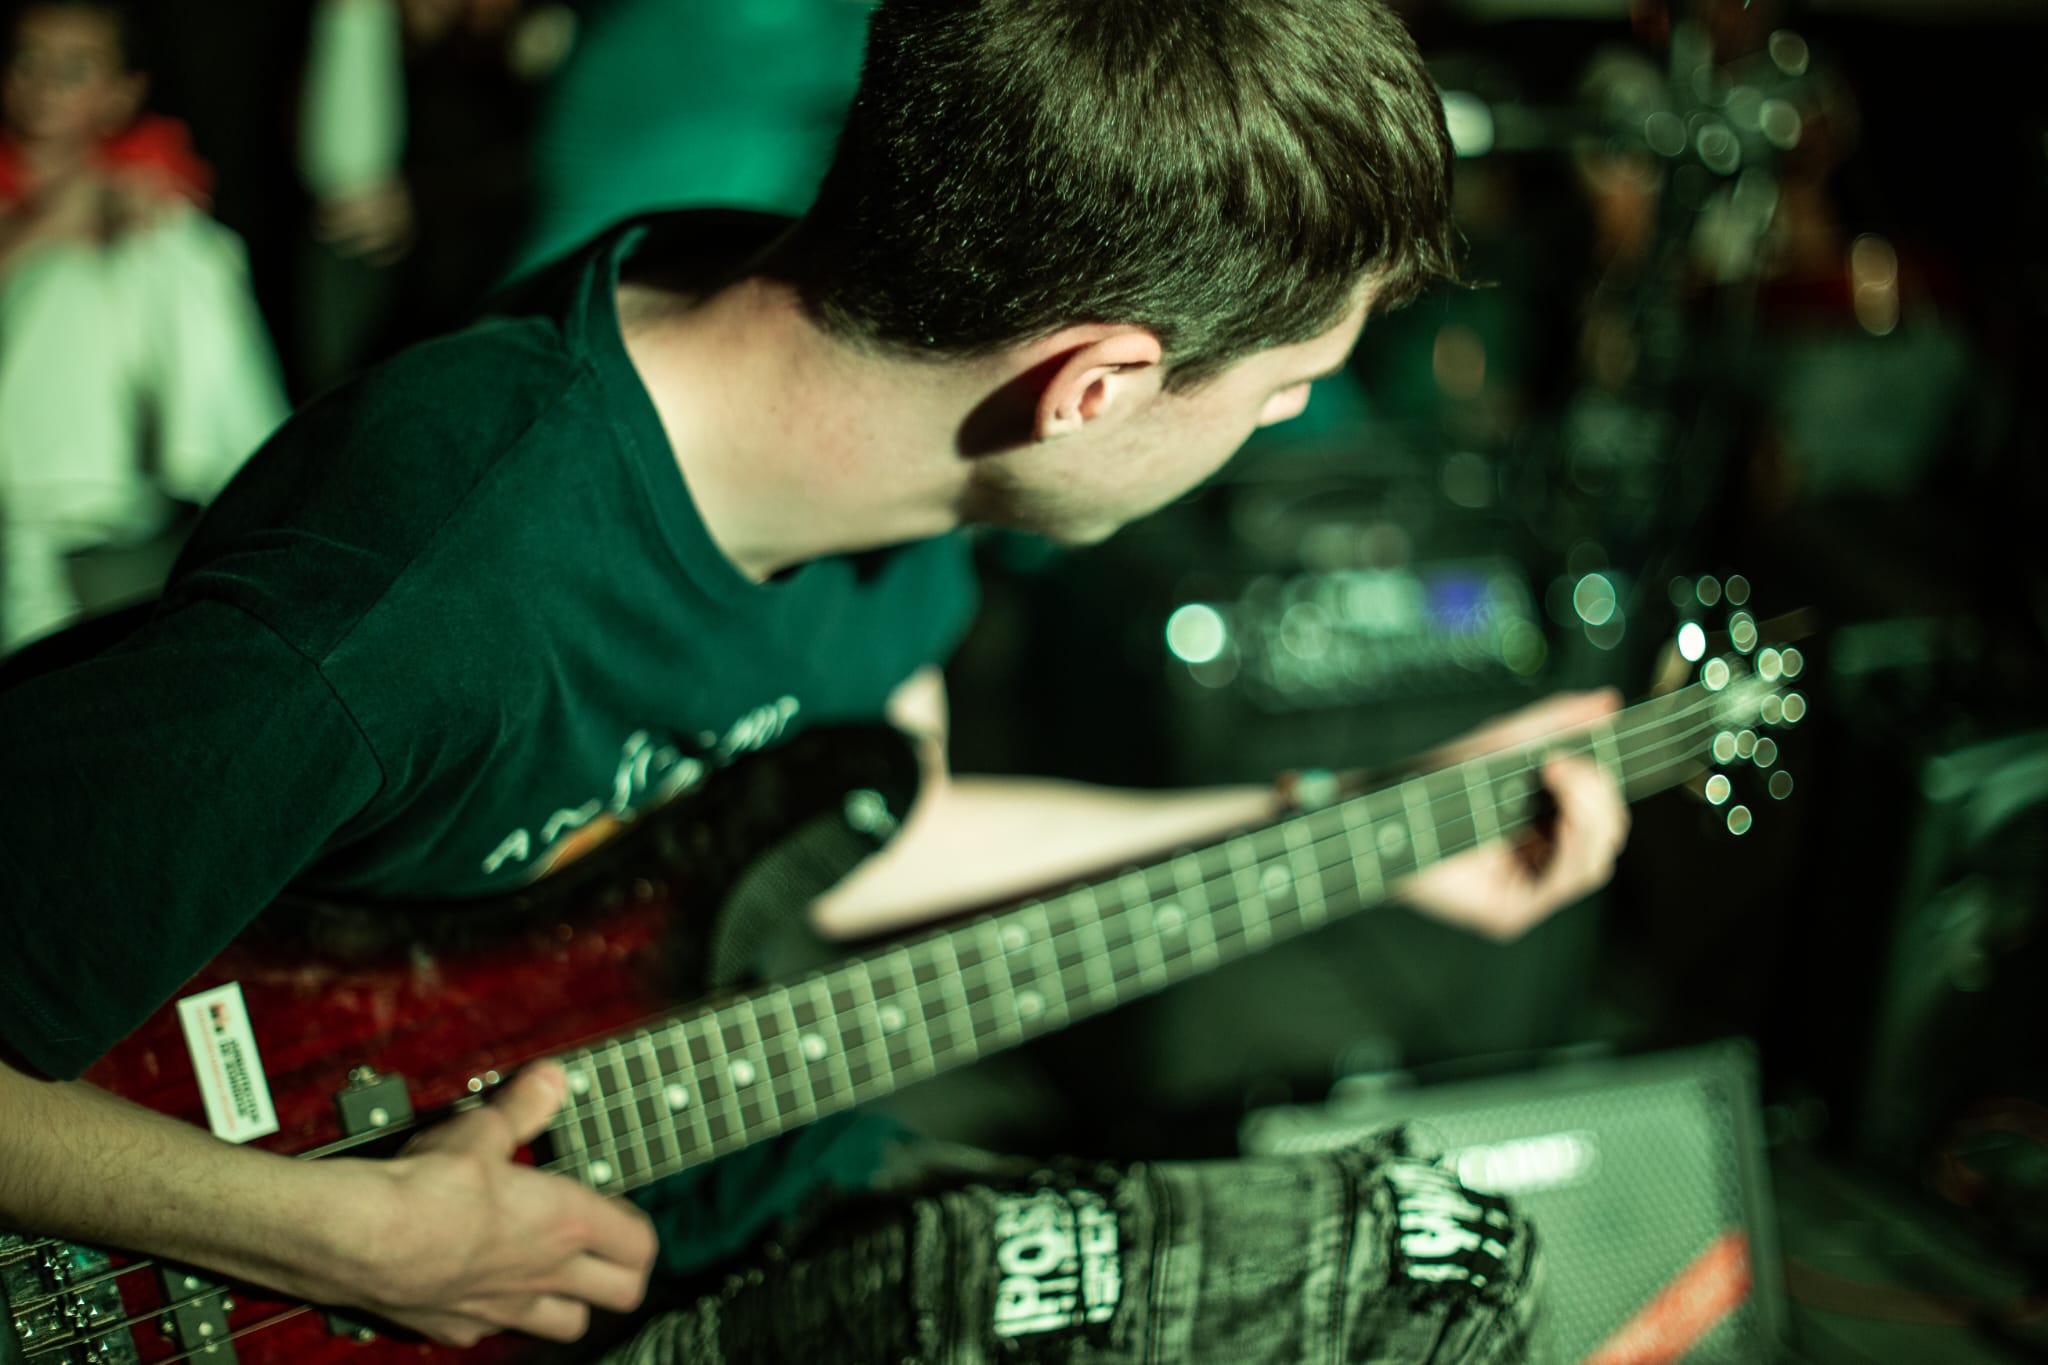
796 445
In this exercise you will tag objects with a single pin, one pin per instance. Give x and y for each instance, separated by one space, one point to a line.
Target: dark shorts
1366 1254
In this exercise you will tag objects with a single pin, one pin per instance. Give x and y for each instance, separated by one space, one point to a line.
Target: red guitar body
449 999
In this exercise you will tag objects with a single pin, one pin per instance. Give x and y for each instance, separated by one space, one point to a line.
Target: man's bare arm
974 841
452 1239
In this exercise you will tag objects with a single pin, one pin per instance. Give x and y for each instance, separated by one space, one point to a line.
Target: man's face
66 82
1082 488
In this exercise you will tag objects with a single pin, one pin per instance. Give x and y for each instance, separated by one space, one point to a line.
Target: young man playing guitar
698 487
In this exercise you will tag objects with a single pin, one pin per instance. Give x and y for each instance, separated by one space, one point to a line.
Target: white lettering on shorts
1447 1233
1058 1262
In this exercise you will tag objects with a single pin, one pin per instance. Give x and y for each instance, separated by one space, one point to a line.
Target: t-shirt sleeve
153 799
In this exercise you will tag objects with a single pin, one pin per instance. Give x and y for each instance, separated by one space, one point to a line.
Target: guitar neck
711 1081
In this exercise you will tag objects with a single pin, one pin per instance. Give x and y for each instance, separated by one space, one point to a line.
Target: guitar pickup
198 1316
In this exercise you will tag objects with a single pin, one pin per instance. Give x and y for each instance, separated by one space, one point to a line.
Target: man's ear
1096 372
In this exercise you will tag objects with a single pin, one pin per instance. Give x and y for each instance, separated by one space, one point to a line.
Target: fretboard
715 1079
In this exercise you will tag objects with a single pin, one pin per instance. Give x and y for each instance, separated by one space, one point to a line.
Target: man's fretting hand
467 1241
1506 888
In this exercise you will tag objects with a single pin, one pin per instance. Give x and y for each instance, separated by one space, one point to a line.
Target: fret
1365 855
1421 828
1456 812
567 1123
1046 984
635 1161
1124 952
914 1029
1301 858
952 973
834 1051
1479 796
602 1167
1277 895
708 1063
643 1071
1042 957
1610 762
797 1066
1095 954
681 1095
1006 995
867 1012
1240 857
1187 874
1157 974
1042 993
753 1076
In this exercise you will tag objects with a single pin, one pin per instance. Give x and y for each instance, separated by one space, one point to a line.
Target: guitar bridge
60 1305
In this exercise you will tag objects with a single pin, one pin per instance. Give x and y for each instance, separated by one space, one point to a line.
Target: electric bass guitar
326 1030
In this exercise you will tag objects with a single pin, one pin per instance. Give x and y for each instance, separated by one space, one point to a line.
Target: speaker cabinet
1645 1178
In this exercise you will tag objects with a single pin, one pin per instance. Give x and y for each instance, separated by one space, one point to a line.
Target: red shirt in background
152 143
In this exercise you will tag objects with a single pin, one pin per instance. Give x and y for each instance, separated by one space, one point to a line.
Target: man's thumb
532 1098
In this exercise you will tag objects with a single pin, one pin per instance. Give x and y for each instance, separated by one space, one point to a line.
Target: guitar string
777 1105
212 1345
892 1075
262 1325
732 1102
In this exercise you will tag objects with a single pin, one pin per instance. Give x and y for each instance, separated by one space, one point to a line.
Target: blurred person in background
134 369
661 105
414 120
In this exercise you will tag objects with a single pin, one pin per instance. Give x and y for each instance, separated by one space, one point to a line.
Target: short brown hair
1222 172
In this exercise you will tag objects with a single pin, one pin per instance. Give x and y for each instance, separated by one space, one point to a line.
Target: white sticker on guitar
224 1060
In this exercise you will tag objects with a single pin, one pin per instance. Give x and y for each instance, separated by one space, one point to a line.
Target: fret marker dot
1030 1004
742 1073
677 1097
1014 936
1275 880
1392 836
892 1018
813 1047
579 1083
1171 917
601 1171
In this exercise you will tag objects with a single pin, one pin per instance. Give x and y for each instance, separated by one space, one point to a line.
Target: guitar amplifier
1645 1179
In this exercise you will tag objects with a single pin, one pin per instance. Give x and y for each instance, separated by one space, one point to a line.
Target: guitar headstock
1751 669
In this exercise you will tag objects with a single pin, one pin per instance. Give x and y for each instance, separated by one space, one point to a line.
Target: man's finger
605 1284
553 1317
532 1098
618 1232
1592 823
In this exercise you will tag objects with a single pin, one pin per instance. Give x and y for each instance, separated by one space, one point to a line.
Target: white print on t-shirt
647 776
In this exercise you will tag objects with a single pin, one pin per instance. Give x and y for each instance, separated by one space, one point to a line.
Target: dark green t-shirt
450 616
